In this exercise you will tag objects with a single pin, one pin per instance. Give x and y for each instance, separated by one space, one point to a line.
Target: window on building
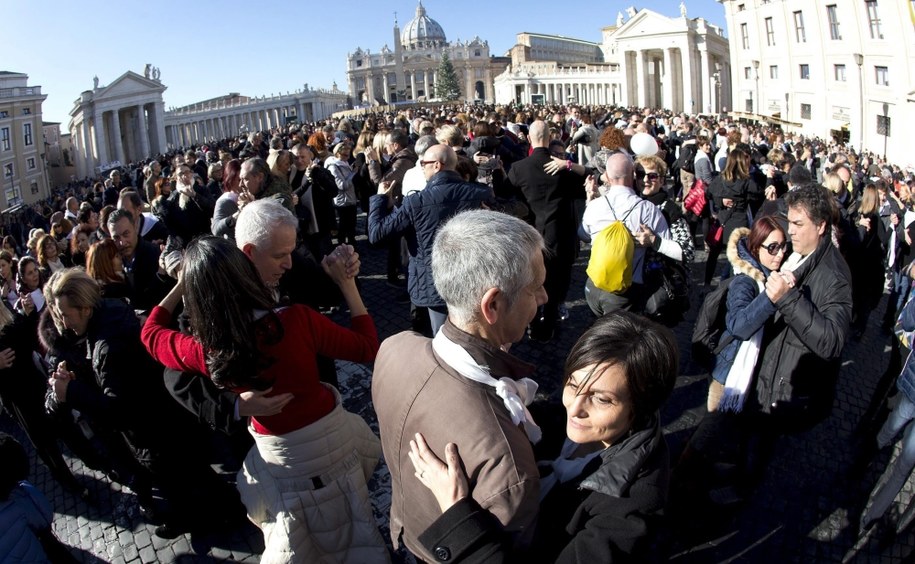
770 32
5 138
833 16
8 170
839 71
805 111
749 105
873 19
476 52
34 187
26 111
805 72
773 72
742 7
799 27
6 114
747 72
882 76
30 163
27 133
744 36
358 62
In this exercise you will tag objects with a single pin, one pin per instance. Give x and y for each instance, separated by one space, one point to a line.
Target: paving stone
148 554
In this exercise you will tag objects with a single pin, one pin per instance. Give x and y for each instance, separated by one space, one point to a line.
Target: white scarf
741 372
565 467
515 394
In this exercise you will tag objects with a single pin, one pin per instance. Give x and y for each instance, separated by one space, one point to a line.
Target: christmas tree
447 87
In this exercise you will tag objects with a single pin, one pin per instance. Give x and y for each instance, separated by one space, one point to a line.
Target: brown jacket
415 392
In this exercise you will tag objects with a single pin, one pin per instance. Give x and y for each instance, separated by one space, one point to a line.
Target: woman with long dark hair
104 265
242 341
734 195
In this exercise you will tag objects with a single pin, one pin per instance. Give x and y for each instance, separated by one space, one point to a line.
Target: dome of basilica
422 31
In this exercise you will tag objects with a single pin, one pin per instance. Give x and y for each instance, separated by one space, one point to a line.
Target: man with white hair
488 268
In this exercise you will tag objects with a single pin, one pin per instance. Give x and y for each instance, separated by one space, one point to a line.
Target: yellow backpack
612 253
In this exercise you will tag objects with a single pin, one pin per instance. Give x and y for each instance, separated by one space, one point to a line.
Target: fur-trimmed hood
740 258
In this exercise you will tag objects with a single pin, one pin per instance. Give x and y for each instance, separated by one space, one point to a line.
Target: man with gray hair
488 268
445 195
266 233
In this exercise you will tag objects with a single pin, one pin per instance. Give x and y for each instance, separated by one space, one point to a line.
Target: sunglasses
774 248
652 176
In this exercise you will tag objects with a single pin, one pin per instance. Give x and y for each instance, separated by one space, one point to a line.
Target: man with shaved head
620 202
445 195
550 198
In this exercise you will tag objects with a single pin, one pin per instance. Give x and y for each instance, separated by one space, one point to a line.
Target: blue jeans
898 472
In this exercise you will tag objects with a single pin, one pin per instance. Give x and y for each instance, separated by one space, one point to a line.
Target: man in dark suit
141 262
550 198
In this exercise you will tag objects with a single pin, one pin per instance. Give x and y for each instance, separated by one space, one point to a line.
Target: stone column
640 81
706 79
387 90
101 138
86 146
668 88
144 131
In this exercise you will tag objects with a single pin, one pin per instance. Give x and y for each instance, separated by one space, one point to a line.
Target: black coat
147 287
610 513
118 385
445 195
799 357
550 200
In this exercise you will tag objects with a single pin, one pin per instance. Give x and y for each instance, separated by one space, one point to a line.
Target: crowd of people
182 301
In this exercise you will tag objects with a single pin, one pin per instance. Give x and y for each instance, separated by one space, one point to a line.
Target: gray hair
478 250
259 219
424 143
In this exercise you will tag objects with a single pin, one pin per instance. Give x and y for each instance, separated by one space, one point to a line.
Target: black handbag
667 285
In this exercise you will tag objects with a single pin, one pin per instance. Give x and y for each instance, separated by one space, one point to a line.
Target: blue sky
256 47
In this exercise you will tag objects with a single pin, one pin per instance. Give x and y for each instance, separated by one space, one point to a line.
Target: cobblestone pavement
804 511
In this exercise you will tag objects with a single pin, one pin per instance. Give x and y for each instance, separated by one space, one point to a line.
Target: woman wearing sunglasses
754 255
650 173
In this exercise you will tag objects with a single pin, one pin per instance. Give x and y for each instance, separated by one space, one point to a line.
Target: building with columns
842 69
23 171
409 71
234 114
119 123
647 60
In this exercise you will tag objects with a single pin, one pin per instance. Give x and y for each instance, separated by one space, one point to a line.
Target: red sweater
305 334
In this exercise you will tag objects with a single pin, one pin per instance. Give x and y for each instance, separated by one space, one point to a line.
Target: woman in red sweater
242 341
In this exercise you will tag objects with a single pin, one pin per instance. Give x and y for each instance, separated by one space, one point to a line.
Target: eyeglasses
774 248
424 163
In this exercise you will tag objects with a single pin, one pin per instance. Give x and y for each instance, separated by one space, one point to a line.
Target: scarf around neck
515 394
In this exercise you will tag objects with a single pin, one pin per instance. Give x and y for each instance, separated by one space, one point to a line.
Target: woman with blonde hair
865 258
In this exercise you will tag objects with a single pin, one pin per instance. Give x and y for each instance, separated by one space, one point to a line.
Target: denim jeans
898 472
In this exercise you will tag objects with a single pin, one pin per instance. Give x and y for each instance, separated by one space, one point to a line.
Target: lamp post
859 60
886 127
717 77
756 78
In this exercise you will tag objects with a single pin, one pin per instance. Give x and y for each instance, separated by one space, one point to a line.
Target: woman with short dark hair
602 498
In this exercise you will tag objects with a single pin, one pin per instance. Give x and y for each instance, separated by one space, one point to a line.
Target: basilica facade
409 71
